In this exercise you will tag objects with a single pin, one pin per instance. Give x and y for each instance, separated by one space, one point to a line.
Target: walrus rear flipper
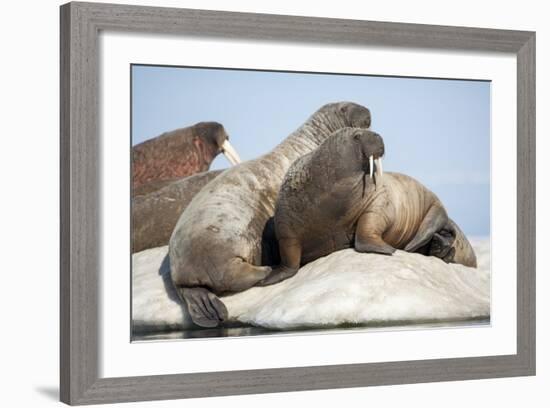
205 309
441 245
463 252
436 219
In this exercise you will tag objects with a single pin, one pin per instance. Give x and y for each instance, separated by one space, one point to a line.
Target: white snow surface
345 287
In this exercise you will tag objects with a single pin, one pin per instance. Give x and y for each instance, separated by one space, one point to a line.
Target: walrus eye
356 137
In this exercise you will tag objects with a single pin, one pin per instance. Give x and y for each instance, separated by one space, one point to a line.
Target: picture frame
81 24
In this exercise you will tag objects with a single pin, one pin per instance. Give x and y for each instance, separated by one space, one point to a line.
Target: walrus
180 153
216 246
329 201
155 214
153 186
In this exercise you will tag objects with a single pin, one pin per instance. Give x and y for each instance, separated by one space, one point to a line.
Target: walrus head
213 134
350 151
355 115
337 115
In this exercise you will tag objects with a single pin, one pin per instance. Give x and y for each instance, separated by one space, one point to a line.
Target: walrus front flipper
291 254
436 219
205 309
368 235
277 275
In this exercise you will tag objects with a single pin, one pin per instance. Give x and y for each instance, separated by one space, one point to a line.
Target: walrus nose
229 151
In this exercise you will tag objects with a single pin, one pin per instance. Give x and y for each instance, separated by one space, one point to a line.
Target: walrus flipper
204 307
277 275
291 254
441 245
462 251
369 232
436 219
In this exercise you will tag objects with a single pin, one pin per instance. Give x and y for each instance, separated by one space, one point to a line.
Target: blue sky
435 130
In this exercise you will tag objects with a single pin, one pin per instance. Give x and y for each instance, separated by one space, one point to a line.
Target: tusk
230 153
379 171
371 166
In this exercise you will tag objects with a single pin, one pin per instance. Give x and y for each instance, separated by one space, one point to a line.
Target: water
242 330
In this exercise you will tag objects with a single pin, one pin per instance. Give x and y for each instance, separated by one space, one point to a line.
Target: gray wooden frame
80 233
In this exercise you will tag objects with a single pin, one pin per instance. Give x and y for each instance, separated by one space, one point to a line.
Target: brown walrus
328 202
155 214
216 246
180 153
153 186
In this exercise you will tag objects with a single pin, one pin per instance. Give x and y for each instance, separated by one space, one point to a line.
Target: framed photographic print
264 188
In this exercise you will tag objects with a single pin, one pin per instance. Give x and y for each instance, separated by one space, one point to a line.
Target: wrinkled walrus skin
329 201
216 246
153 186
180 153
154 215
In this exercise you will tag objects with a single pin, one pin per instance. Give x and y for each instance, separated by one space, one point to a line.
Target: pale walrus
180 153
155 214
216 246
328 201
